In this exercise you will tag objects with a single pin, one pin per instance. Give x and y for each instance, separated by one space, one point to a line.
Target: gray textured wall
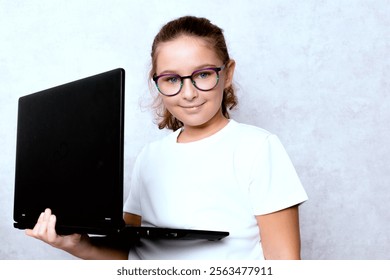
316 73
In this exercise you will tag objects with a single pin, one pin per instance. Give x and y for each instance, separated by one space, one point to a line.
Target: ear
230 66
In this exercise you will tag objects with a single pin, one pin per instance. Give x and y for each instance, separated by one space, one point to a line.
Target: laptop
69 157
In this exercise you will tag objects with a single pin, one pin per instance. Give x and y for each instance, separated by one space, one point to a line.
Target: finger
51 229
40 218
29 232
46 215
34 231
42 229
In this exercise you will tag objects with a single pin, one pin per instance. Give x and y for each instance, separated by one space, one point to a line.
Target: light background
316 73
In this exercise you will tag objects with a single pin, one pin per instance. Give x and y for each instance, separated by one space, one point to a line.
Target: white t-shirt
217 183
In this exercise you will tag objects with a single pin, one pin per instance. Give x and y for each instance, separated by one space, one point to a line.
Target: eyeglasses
203 79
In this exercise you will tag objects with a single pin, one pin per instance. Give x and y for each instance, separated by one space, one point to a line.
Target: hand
44 230
75 244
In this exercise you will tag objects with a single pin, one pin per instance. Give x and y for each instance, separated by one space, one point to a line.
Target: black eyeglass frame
216 69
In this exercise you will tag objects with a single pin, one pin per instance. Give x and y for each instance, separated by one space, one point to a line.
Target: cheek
169 102
219 94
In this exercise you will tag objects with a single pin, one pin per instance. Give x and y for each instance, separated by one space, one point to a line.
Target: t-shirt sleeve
132 203
274 183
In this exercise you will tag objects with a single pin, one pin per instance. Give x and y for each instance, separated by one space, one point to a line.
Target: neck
195 133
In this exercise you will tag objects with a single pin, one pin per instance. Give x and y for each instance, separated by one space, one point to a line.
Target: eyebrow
206 65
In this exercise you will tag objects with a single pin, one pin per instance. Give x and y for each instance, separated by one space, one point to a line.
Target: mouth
192 106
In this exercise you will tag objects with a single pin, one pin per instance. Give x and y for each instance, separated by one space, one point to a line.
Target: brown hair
197 27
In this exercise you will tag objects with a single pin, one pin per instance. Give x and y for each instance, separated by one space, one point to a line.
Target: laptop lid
69 155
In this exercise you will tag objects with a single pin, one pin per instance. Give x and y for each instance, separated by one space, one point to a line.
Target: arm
279 233
132 219
78 245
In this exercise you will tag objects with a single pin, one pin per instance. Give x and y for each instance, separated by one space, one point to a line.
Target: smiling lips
192 106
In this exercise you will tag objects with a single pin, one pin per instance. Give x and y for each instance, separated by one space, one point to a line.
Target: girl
210 173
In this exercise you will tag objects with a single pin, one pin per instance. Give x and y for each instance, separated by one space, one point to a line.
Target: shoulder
250 133
254 141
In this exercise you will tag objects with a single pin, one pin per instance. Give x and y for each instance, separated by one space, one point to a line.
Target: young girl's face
183 56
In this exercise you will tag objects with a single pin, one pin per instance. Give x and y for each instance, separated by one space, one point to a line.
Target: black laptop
69 158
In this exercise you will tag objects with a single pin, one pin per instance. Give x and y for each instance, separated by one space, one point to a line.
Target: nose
188 90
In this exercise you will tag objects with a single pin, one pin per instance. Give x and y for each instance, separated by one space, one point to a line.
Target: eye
203 74
171 79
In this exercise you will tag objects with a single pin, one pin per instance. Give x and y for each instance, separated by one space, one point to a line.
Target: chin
195 123
199 120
